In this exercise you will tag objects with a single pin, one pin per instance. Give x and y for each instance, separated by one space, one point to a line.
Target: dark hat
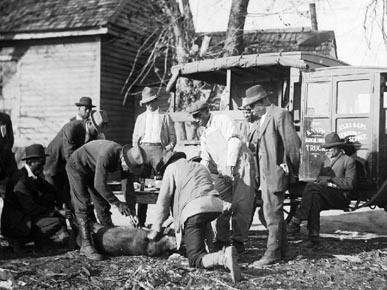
332 140
168 158
85 101
99 120
148 95
254 94
134 158
197 107
34 151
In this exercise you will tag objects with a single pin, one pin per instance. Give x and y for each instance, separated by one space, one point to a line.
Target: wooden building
52 52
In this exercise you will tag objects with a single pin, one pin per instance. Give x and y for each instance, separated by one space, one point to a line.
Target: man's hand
123 208
154 235
323 180
66 213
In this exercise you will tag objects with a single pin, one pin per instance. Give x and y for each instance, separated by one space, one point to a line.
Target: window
353 97
318 99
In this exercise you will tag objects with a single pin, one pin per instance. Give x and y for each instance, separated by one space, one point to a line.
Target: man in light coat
154 131
278 154
221 145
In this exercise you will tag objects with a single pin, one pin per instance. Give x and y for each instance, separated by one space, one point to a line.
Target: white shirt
153 124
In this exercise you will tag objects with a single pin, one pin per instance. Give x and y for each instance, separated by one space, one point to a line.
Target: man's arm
70 139
171 133
27 202
349 181
101 179
136 131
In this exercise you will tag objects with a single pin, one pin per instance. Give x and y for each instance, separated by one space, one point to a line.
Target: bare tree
375 16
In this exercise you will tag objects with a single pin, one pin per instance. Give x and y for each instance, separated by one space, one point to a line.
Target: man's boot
87 248
228 258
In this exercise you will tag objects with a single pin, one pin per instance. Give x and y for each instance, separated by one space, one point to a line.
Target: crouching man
88 169
29 213
187 188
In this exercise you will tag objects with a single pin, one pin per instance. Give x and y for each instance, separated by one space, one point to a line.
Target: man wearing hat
29 212
84 105
88 169
187 189
221 145
278 154
155 133
70 137
334 188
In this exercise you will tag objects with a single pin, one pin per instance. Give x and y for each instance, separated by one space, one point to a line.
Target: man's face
258 109
202 117
152 105
84 112
247 114
37 165
333 152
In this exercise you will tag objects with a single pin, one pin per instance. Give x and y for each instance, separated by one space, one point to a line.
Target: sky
346 18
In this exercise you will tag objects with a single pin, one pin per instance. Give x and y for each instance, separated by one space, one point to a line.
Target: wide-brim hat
34 151
197 107
254 94
85 101
134 158
168 158
99 119
148 95
332 140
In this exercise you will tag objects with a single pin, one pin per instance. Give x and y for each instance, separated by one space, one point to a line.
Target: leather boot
87 248
228 258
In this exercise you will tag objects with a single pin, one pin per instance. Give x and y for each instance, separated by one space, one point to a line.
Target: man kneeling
187 187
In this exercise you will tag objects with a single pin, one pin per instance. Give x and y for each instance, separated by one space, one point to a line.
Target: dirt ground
352 255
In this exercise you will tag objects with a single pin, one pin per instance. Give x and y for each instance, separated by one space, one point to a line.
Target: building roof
282 40
38 16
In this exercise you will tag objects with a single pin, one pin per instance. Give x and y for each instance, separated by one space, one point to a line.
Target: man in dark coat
88 169
333 189
28 212
8 167
278 155
72 136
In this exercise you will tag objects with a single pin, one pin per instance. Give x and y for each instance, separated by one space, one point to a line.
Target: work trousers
315 198
83 193
195 229
277 242
240 194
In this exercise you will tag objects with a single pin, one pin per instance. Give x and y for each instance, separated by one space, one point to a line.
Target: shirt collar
29 171
154 112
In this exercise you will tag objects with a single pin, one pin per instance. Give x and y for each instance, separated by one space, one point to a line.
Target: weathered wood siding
50 77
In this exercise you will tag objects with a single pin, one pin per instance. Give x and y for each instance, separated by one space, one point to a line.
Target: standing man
188 191
28 212
88 169
85 105
278 154
333 189
72 136
155 133
8 166
221 146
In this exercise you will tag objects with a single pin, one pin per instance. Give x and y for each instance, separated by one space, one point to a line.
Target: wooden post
313 16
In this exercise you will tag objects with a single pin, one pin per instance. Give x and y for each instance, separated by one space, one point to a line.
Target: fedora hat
148 95
134 158
245 103
197 107
168 158
99 119
254 94
332 140
34 151
85 101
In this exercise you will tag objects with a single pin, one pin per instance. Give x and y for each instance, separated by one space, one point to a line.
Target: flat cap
197 107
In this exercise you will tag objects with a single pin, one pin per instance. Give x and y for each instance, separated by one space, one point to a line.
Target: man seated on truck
331 190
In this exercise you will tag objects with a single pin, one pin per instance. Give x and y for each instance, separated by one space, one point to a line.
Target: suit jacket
6 139
97 159
31 199
167 133
69 138
278 144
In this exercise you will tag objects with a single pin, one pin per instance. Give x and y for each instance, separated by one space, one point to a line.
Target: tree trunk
234 36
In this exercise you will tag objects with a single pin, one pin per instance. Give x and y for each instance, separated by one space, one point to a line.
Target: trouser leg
222 223
303 210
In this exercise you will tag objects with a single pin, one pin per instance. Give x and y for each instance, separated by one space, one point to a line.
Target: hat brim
35 157
147 100
136 170
335 144
84 105
253 100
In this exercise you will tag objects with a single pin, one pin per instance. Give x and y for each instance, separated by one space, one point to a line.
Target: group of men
220 189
